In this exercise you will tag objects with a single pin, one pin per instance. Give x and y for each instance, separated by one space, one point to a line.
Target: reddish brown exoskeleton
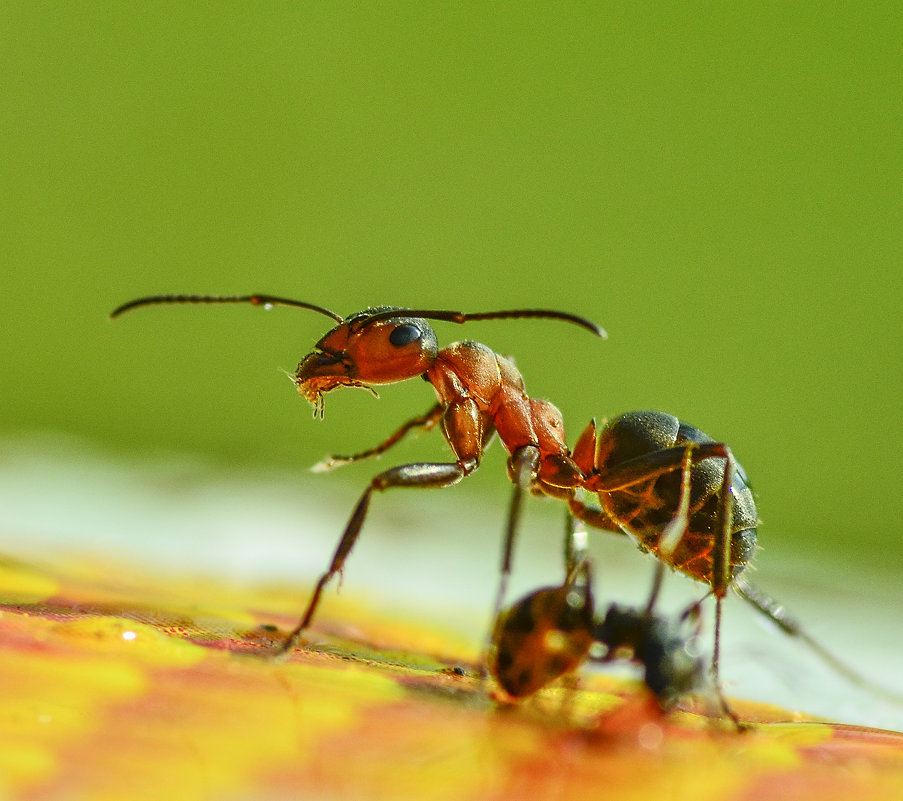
679 493
649 470
479 394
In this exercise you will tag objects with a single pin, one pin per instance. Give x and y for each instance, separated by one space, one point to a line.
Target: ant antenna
430 314
461 317
266 301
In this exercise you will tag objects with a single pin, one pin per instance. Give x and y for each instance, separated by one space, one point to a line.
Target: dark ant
679 493
552 631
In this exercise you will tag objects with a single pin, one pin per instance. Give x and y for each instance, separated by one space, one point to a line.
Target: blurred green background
719 186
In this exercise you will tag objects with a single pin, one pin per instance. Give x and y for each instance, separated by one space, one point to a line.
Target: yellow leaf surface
159 688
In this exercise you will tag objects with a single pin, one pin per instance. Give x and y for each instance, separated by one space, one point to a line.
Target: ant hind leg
775 612
435 475
721 578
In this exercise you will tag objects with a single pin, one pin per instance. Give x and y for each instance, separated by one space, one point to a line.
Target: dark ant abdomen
646 508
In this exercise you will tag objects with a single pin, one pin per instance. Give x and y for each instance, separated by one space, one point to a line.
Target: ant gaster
678 492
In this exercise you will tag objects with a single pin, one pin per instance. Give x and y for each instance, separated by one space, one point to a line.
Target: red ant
678 492
550 632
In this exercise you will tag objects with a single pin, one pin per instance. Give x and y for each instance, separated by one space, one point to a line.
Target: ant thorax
473 370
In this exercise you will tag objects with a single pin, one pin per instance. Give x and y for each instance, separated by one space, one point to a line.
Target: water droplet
650 736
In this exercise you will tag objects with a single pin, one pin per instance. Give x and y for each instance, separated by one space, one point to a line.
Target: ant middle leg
523 465
574 546
427 475
577 513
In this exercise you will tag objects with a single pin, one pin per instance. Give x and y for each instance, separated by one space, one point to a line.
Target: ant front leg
430 475
426 421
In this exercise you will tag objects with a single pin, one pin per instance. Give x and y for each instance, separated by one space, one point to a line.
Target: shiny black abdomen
645 508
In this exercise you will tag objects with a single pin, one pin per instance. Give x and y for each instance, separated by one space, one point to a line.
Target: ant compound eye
404 335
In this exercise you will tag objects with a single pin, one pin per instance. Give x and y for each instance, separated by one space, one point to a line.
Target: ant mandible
550 632
678 492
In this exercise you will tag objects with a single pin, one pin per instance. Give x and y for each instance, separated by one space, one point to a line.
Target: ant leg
657 579
581 578
694 611
594 516
435 475
721 552
673 533
716 677
652 465
721 547
775 612
425 421
682 457
522 467
574 542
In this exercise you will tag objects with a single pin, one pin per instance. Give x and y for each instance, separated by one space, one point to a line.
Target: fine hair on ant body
678 492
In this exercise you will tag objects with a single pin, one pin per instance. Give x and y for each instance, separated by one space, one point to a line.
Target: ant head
386 344
672 667
374 346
